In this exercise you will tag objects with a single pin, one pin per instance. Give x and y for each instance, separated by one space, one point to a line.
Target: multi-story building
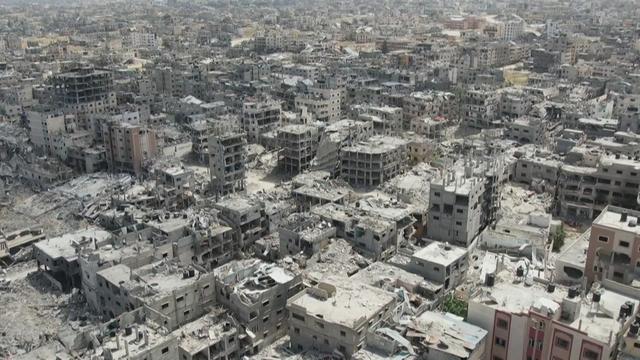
528 130
257 293
374 161
334 137
328 89
278 40
305 71
45 172
10 111
480 108
215 336
456 206
58 256
260 117
629 348
306 233
387 120
147 342
200 132
336 315
532 169
440 263
614 246
86 91
253 71
174 294
487 55
585 191
45 127
430 128
19 95
526 319
568 139
626 108
317 193
247 217
323 106
76 149
227 161
173 184
138 39
370 234
179 82
504 29
436 105
515 102
128 146
545 60
618 145
134 255
298 143
167 81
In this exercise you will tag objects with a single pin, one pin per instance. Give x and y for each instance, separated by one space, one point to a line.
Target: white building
136 40
336 315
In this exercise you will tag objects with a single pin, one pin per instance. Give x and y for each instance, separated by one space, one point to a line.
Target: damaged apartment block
256 293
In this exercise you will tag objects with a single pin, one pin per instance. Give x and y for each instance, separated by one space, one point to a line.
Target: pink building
530 320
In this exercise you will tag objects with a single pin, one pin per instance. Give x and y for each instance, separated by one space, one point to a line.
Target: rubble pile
54 212
39 312
517 200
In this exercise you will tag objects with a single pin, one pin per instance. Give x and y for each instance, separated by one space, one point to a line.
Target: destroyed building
256 293
213 336
304 233
259 117
246 216
58 257
370 234
227 161
175 294
374 161
298 143
336 136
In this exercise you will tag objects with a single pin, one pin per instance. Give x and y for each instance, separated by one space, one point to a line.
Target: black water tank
128 331
634 328
520 271
551 287
185 274
624 311
573 292
490 280
623 217
596 297
192 273
630 307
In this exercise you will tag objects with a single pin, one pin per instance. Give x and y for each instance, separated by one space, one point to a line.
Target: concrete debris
39 312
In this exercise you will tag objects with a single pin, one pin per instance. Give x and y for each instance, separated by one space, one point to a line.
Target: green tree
455 306
558 239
